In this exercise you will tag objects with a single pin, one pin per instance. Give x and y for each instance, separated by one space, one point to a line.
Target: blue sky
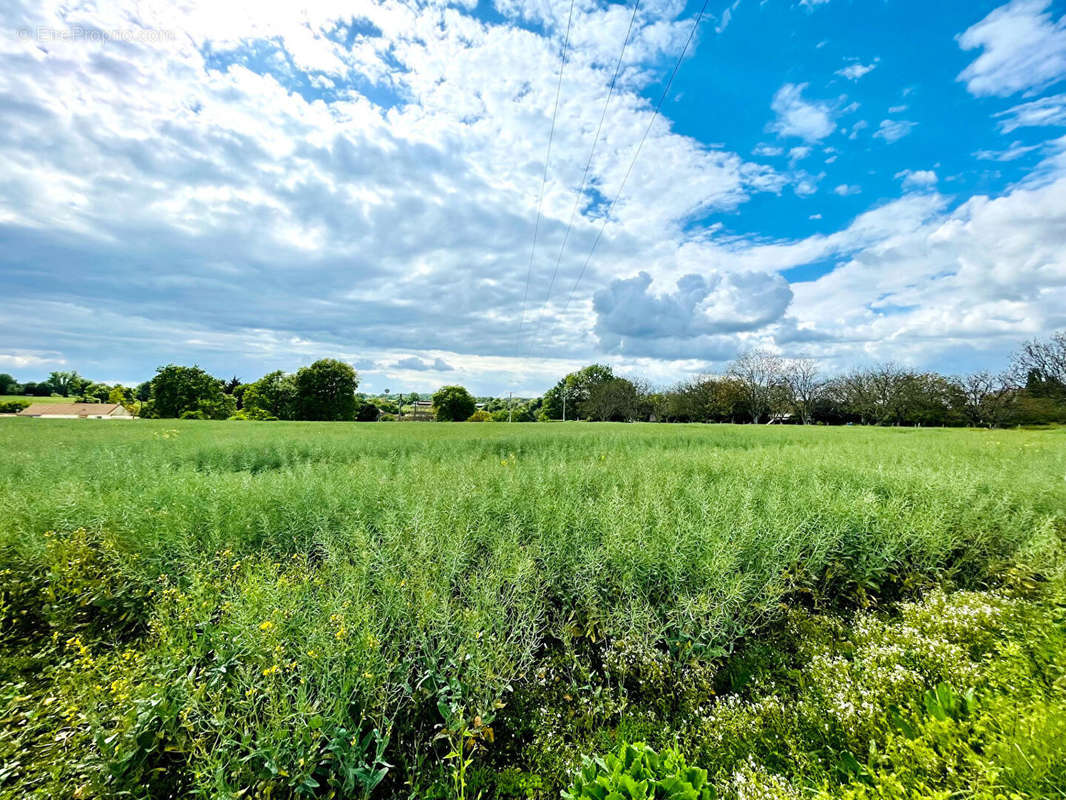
251 187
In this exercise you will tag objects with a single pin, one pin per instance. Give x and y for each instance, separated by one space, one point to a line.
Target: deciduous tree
453 404
759 372
178 391
326 390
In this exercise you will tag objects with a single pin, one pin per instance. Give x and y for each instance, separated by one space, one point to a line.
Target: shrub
13 406
256 414
480 416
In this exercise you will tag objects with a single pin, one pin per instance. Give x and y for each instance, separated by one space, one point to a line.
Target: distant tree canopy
326 391
188 392
368 412
575 389
1041 366
65 383
453 404
42 389
614 400
271 397
759 386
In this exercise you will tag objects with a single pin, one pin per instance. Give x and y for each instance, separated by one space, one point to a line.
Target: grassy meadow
221 609
10 398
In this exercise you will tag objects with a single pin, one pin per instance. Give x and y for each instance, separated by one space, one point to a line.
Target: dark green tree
92 392
368 412
64 382
616 400
453 404
42 389
326 391
577 387
8 384
273 395
183 391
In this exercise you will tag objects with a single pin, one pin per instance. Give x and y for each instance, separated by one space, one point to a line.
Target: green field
340 609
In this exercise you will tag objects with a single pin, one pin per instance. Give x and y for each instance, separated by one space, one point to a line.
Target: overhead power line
636 154
592 151
547 160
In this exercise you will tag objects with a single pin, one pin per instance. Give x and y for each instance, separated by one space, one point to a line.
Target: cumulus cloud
275 182
993 270
278 183
806 184
693 317
419 365
1023 48
799 117
855 71
917 179
768 150
892 130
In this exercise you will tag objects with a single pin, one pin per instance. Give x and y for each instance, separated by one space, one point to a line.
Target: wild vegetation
306 610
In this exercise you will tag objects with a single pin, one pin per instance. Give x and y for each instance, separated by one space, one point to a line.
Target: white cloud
726 18
844 190
897 109
1012 153
917 179
808 120
806 184
1049 110
23 359
892 130
213 197
991 271
693 318
372 196
859 126
768 150
1023 48
855 71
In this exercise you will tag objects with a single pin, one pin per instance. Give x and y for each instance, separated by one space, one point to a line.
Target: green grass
285 607
7 398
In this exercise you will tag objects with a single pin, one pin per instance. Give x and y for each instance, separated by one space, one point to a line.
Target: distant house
76 411
421 411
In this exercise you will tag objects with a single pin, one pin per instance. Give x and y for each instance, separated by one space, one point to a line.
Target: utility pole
510 410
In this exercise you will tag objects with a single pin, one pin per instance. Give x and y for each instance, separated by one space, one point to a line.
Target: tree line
759 387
